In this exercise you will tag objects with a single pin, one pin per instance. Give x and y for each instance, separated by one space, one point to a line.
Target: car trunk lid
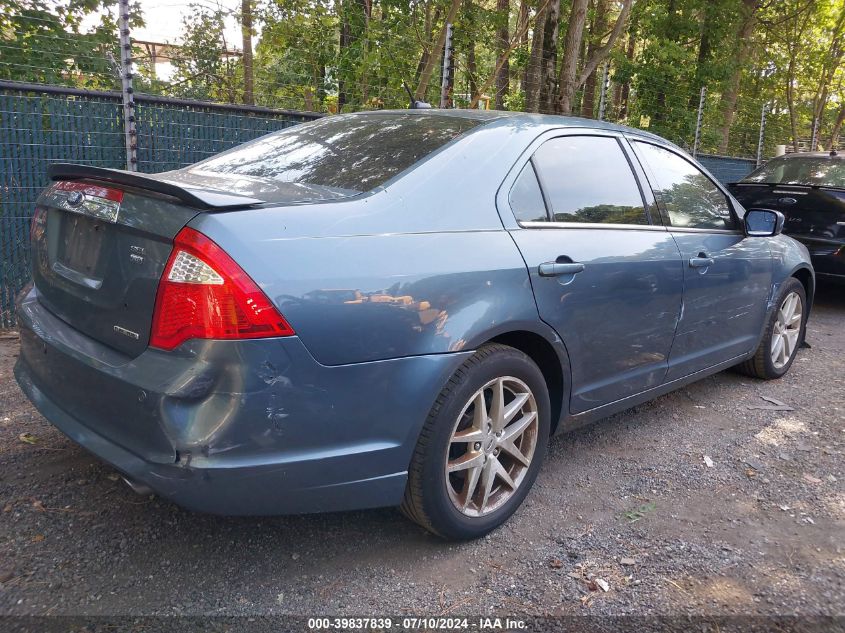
99 274
102 237
100 242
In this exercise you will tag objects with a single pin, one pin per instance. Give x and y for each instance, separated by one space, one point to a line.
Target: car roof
516 119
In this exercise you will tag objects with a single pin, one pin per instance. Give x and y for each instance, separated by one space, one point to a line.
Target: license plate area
80 245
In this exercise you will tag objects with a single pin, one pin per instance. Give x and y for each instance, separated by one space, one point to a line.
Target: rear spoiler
195 197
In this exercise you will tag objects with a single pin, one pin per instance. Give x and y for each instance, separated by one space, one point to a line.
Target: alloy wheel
786 330
491 447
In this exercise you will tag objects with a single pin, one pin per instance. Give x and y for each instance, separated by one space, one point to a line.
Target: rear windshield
813 171
347 153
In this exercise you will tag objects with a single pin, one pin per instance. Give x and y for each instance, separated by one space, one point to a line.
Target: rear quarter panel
422 266
788 257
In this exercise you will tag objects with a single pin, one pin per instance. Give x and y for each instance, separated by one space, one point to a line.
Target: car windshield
352 154
812 171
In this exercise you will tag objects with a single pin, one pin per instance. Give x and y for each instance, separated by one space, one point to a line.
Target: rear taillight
203 293
39 223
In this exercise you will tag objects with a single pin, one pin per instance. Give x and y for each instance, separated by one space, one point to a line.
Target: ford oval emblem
787 201
75 198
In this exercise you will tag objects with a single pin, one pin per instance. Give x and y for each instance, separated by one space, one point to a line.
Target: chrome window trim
684 229
591 225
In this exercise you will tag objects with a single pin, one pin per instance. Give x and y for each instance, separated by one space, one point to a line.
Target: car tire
772 359
475 443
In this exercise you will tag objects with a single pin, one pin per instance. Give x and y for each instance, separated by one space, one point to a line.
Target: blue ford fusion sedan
392 308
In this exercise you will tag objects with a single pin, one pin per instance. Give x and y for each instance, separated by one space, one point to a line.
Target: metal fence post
762 135
447 66
605 84
697 140
129 129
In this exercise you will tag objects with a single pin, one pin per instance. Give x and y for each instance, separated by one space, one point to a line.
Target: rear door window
525 197
689 197
587 179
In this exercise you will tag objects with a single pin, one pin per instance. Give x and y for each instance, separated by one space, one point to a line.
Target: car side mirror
763 223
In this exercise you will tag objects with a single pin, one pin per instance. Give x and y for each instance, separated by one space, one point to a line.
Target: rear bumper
234 427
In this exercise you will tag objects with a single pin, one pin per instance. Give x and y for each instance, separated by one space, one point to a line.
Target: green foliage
330 55
204 69
41 42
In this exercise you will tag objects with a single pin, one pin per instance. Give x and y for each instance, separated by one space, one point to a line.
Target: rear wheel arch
555 369
806 278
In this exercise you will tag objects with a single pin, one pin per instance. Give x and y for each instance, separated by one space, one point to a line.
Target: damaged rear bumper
234 427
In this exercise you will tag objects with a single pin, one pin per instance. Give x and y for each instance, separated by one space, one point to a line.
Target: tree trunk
531 79
522 21
428 27
672 35
345 41
601 53
548 65
522 27
428 69
837 128
704 49
625 93
502 62
790 100
597 29
730 93
829 67
246 34
472 70
571 49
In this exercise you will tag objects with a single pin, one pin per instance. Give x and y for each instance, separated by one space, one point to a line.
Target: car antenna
415 105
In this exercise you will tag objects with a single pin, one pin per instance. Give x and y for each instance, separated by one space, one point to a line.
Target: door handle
555 269
702 261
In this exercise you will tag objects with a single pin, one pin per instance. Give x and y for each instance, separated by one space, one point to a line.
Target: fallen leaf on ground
556 563
603 584
628 561
29 438
811 479
38 538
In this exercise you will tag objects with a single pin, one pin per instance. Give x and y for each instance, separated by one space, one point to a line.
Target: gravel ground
632 504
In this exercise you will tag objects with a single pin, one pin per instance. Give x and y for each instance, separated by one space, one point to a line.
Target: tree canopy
778 57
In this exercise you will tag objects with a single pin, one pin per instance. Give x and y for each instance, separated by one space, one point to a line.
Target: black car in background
809 189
